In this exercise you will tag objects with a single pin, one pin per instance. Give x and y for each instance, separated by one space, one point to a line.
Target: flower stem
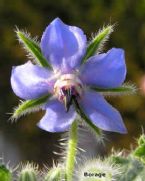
72 150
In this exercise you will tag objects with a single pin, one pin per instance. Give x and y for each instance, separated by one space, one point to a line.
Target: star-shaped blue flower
64 48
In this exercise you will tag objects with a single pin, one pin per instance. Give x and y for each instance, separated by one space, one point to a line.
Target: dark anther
68 99
68 95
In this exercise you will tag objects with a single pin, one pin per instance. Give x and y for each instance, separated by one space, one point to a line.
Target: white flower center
68 82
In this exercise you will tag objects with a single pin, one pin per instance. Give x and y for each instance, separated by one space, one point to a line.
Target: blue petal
30 81
106 70
63 45
102 114
56 119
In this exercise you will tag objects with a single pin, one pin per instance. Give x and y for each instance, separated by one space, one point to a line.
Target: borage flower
71 85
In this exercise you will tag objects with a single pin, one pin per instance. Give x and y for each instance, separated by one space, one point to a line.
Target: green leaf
97 131
139 152
5 174
141 140
32 48
130 167
125 89
97 43
29 106
131 170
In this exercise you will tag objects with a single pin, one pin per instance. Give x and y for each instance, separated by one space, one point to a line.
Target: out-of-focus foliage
121 166
34 16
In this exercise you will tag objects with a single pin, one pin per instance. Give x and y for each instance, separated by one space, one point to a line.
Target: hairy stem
72 150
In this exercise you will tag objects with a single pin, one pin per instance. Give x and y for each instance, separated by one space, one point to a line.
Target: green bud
55 174
29 172
97 170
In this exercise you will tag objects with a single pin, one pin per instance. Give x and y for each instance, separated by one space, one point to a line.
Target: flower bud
29 172
55 174
97 170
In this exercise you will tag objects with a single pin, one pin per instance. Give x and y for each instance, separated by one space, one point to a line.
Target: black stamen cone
67 99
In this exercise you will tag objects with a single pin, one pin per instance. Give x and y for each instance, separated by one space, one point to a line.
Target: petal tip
57 21
124 131
121 129
39 125
117 50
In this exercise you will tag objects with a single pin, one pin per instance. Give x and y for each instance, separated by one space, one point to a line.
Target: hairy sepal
125 89
29 106
33 48
96 45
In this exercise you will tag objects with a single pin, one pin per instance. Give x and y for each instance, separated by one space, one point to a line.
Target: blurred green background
23 140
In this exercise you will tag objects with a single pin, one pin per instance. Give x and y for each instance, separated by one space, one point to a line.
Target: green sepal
125 89
80 111
97 42
32 48
29 106
5 173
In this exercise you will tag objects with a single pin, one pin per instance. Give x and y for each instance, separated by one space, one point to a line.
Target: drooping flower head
71 80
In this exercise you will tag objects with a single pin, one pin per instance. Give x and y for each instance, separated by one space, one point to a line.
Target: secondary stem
72 150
